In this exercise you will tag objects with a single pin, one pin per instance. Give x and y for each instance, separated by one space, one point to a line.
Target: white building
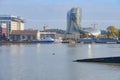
48 34
92 31
12 23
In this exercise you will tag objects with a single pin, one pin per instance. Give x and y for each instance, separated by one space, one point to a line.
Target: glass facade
5 18
73 20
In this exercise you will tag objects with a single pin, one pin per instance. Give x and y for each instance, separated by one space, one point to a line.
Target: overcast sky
53 12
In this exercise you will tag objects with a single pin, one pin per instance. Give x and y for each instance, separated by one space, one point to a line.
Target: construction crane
44 27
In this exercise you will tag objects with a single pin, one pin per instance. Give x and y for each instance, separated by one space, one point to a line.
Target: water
55 62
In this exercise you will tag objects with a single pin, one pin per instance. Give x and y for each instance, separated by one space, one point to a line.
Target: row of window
11 19
23 37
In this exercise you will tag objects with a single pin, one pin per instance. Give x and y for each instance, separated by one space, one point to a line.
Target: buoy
53 53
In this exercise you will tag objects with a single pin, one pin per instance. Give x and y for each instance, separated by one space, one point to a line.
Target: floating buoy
53 53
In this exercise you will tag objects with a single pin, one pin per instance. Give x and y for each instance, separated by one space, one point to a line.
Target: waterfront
55 62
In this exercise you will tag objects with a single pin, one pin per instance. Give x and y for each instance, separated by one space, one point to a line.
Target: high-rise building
12 23
73 20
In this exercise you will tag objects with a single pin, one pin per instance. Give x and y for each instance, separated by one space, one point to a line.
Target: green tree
113 32
119 33
86 35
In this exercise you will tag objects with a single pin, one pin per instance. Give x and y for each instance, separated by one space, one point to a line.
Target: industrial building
24 35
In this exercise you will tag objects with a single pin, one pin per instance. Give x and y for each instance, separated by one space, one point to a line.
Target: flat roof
11 18
24 32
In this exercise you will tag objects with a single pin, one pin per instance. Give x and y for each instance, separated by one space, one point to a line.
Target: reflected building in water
74 20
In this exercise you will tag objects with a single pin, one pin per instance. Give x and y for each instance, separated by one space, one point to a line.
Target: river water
55 62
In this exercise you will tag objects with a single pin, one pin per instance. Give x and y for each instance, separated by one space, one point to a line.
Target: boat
118 42
100 40
44 40
106 40
85 40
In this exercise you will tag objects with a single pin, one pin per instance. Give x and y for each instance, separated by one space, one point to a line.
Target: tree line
113 32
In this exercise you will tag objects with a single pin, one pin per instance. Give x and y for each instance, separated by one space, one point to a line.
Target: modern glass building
92 31
74 20
12 23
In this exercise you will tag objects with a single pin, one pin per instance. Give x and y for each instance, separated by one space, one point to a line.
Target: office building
12 23
3 30
74 20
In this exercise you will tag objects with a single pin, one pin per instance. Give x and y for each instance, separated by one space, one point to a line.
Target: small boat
44 40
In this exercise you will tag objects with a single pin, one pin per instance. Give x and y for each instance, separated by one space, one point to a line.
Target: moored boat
118 42
106 40
85 40
44 40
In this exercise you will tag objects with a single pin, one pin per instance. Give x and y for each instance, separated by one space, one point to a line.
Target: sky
52 13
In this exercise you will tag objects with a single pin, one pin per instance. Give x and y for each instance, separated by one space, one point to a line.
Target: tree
119 33
86 35
112 32
60 31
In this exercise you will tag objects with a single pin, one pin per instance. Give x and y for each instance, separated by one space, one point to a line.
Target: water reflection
16 68
89 51
15 49
36 62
